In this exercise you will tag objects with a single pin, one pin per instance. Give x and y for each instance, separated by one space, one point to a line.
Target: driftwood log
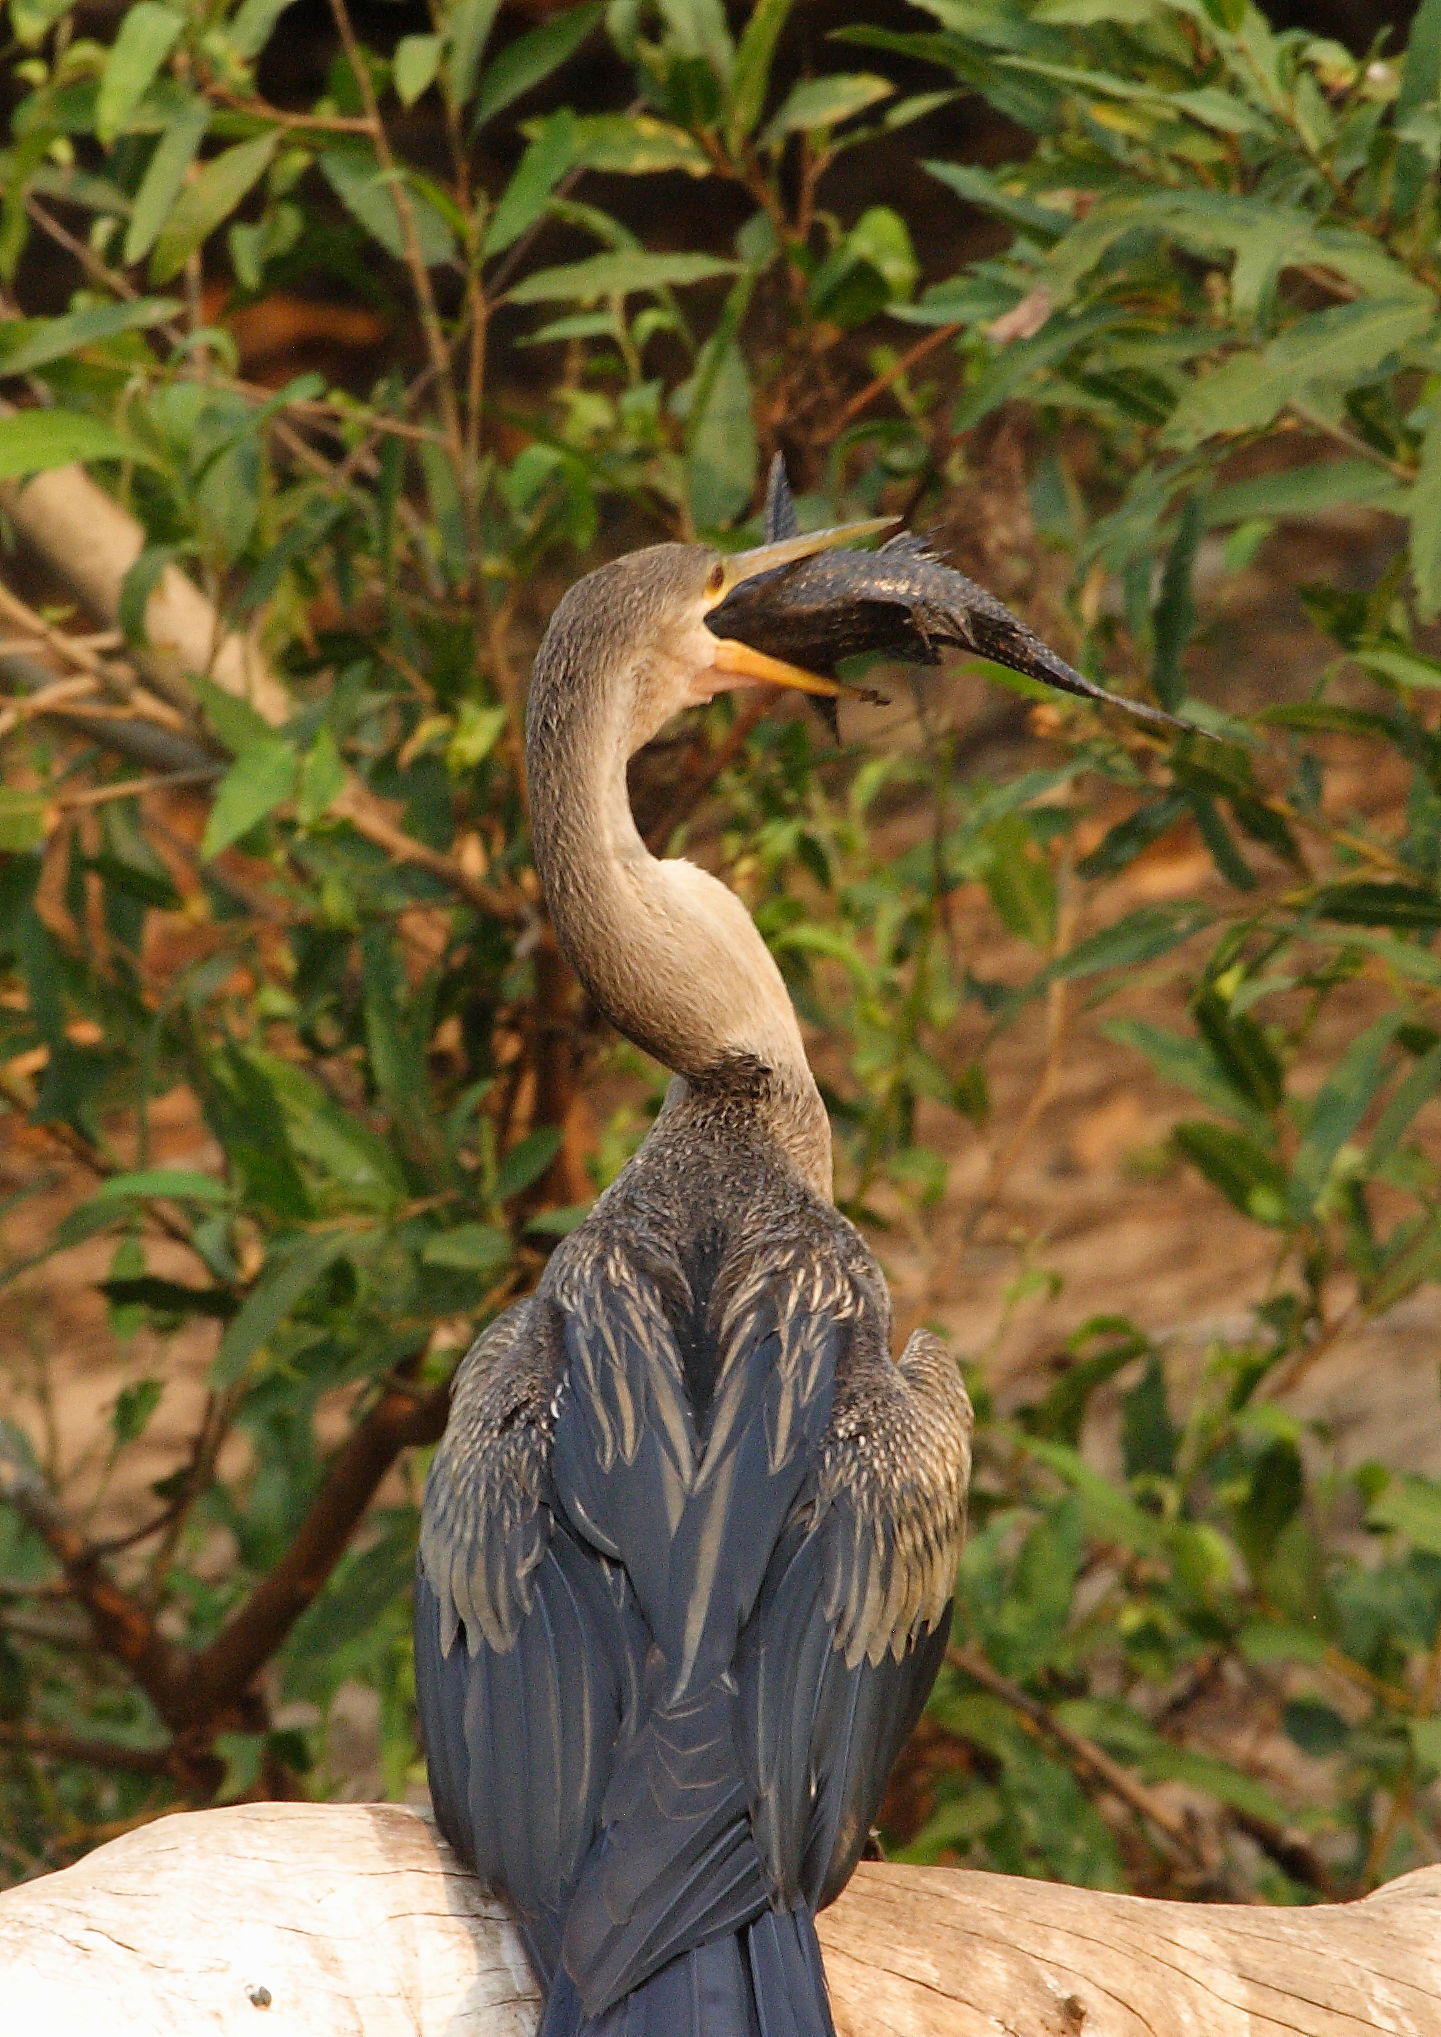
328 1919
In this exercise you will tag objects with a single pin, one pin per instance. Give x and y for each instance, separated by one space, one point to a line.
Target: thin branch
398 1420
1173 1832
122 1626
908 360
93 1753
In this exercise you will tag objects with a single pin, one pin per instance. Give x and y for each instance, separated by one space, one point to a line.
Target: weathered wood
355 1921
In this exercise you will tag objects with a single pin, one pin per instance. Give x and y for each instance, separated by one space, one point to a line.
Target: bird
689 1542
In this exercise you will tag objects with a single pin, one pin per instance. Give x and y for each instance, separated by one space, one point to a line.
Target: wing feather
851 1625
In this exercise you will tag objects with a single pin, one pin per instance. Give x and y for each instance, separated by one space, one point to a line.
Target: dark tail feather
765 1981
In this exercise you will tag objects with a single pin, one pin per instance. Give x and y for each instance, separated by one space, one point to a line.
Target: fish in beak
745 661
812 608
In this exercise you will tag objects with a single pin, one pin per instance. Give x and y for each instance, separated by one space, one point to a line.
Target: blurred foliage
309 914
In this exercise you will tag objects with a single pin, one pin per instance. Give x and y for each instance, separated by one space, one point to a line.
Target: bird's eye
715 580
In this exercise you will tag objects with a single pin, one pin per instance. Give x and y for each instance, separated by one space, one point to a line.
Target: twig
325 123
93 1753
415 260
131 788
121 1624
47 698
1174 1835
250 1638
908 360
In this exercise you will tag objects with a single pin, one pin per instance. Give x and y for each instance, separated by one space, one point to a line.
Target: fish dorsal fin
781 518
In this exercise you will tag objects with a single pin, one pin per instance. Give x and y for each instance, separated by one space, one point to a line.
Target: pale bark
330 1919
85 536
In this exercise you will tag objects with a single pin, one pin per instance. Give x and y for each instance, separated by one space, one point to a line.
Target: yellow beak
744 662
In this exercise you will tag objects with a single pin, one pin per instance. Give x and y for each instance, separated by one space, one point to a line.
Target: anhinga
689 1542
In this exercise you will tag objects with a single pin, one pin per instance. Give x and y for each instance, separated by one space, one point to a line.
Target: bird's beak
743 661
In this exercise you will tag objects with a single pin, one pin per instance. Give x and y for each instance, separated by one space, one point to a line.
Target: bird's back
686 1564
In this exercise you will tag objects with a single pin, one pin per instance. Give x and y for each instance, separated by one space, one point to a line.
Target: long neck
666 950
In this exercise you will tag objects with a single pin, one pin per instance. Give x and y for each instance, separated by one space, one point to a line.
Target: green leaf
467 30
414 65
181 1184
1339 1106
251 27
1302 492
22 820
168 1297
30 343
261 777
145 38
750 75
1411 1507
1378 905
1421 72
540 169
470 1248
722 450
1174 619
291 1269
1245 1172
1188 1064
365 190
165 176
1327 349
1403 668
1413 1092
1411 1259
531 58
1020 881
322 779
135 1403
1110 1513
234 720
635 145
225 180
618 274
824 102
31 441
1425 504
985 189
1142 936
525 1163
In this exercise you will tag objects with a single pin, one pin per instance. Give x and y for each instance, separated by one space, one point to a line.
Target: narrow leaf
540 169
618 275
145 38
213 196
414 66
825 102
30 343
290 1271
260 778
365 190
467 24
1425 503
33 440
751 74
164 177
531 58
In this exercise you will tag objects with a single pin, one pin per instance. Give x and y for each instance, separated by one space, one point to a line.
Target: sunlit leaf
33 440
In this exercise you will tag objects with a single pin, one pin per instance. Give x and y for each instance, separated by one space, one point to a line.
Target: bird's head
642 627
